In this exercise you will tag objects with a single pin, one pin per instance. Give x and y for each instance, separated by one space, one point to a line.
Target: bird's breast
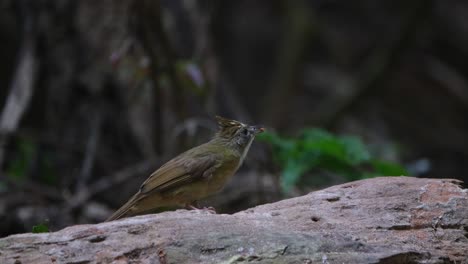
221 175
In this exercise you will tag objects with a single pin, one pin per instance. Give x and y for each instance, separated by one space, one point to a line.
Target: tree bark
380 220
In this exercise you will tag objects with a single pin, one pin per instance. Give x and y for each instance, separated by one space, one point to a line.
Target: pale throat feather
228 137
244 152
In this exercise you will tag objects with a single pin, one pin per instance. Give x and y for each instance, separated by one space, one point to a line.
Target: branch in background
191 125
108 182
149 43
233 102
28 186
204 51
455 83
90 153
156 42
296 32
167 54
378 64
21 89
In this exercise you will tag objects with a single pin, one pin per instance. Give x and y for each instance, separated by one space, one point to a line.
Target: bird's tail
125 210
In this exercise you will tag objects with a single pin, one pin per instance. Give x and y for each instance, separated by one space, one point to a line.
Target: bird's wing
179 171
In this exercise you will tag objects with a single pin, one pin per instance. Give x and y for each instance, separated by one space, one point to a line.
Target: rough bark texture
381 220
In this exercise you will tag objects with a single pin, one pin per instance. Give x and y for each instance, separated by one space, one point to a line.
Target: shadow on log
381 220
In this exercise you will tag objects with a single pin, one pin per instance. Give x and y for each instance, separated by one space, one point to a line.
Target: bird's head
237 133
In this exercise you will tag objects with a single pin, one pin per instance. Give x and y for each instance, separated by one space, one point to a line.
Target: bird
196 173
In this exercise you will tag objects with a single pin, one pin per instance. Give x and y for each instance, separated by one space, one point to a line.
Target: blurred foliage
27 160
17 168
40 228
319 149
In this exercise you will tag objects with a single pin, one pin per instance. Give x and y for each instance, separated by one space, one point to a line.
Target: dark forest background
95 95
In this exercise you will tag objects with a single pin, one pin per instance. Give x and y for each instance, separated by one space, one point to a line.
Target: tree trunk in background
381 220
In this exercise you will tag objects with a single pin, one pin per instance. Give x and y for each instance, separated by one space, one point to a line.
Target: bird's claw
209 209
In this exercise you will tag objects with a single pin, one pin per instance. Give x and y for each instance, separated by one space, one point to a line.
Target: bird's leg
195 206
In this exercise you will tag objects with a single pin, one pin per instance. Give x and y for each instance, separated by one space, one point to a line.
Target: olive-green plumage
196 173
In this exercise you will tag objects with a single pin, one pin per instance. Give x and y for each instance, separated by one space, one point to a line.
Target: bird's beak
257 129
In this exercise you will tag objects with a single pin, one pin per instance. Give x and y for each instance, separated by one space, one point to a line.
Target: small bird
196 173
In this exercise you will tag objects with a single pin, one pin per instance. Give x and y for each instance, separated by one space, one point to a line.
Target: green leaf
47 172
386 168
283 149
17 168
318 149
327 147
40 228
313 134
356 152
291 175
275 140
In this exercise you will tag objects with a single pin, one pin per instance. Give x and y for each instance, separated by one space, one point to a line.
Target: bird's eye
245 132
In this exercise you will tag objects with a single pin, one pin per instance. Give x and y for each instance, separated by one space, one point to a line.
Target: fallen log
380 220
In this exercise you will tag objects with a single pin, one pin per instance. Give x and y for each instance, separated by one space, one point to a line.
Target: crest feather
226 123
228 127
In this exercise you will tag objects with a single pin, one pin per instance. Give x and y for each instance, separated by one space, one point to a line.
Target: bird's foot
209 209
